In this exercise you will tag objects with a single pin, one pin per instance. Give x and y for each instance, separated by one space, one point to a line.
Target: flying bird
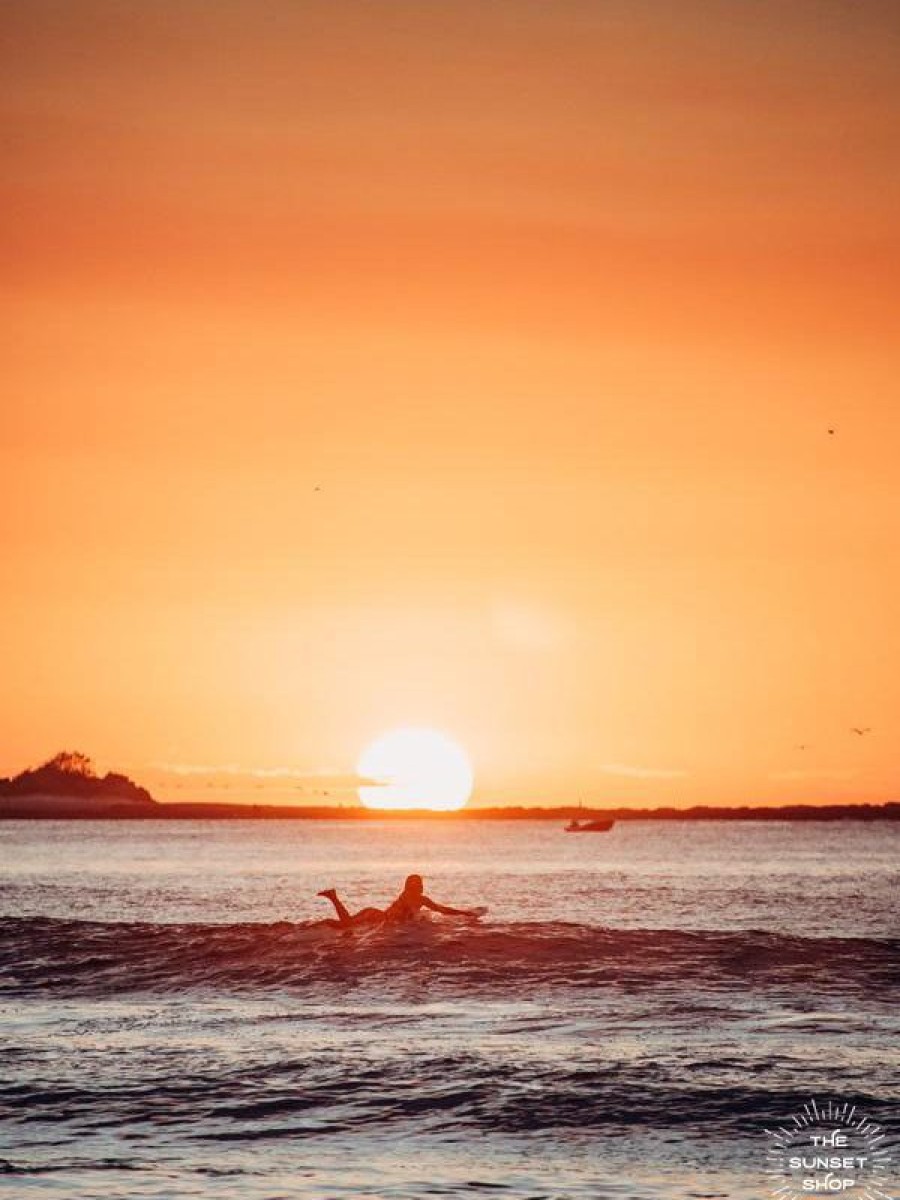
860 732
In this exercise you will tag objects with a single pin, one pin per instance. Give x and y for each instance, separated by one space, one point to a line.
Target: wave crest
97 958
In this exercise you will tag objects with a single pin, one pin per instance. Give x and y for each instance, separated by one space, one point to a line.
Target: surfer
405 908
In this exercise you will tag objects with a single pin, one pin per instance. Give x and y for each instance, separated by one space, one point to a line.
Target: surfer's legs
365 916
340 907
368 916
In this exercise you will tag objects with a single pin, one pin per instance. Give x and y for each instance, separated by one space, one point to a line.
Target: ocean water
633 1014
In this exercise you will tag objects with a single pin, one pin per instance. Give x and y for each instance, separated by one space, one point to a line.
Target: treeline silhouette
70 776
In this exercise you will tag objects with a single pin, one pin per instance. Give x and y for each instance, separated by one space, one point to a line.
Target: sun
415 768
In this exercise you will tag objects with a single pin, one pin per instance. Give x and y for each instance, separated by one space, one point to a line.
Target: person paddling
405 908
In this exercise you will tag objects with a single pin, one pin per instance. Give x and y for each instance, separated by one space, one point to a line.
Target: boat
599 826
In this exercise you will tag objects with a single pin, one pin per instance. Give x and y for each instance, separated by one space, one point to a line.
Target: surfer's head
413 886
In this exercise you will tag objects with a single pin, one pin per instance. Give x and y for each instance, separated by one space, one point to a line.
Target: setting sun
415 768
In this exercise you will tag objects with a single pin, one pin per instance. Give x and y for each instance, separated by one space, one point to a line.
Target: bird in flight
860 732
831 431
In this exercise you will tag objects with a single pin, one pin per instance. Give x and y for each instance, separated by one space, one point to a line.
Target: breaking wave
85 958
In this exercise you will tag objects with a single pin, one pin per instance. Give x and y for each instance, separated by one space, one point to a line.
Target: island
68 786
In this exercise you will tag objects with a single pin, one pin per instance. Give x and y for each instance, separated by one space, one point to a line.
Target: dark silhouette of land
67 787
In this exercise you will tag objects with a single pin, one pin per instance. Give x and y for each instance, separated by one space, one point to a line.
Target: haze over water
632 1014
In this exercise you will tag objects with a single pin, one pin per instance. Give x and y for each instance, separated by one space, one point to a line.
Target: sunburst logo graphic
829 1149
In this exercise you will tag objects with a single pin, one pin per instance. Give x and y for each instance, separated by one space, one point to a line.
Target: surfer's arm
445 910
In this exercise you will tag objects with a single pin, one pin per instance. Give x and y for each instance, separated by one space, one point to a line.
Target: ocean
637 1016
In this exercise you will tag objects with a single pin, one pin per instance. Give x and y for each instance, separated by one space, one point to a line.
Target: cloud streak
234 775
627 771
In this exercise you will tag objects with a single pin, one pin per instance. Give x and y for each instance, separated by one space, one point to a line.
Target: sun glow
415 768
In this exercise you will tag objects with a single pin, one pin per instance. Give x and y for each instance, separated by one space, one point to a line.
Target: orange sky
555 304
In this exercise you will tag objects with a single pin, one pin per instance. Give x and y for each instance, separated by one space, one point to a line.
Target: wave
297 1099
88 958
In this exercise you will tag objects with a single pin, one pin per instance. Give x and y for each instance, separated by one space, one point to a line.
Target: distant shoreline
46 808
67 788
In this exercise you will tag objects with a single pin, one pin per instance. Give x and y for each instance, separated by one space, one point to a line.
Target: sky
524 371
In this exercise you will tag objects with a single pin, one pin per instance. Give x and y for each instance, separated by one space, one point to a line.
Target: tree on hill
71 762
